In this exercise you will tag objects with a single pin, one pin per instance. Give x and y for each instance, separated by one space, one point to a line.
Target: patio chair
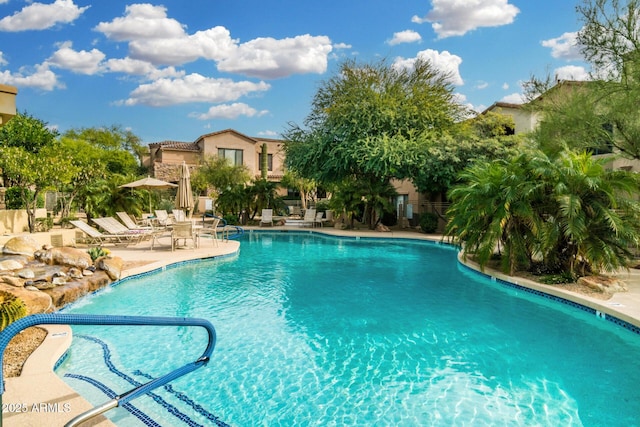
162 217
211 231
130 223
319 219
179 215
267 218
309 217
183 230
95 237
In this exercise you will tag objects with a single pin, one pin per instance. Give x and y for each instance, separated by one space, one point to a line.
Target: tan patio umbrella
149 183
184 197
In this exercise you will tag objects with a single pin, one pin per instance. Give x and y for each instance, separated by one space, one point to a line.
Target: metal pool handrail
86 319
226 228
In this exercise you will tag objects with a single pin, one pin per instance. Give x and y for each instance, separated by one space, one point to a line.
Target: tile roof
176 145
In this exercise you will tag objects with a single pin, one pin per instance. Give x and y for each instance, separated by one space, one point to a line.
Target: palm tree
493 210
570 212
596 220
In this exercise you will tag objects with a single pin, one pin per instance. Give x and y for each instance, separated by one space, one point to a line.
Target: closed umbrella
149 183
184 197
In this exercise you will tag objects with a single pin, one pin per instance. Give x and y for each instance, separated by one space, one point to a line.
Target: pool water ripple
322 331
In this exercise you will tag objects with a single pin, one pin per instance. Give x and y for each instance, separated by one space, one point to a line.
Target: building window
234 156
269 161
605 141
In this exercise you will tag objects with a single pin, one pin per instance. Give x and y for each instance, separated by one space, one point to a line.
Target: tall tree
122 148
610 41
365 122
30 159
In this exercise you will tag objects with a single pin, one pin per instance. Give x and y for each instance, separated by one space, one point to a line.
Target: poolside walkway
39 385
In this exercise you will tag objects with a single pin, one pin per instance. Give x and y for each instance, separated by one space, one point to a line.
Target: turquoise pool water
315 330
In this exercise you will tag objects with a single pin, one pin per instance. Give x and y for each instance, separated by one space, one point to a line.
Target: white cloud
268 133
40 78
443 61
191 88
406 36
141 68
3 61
341 46
230 111
514 98
40 16
456 17
571 72
160 40
142 21
272 58
482 85
505 86
564 47
214 44
81 62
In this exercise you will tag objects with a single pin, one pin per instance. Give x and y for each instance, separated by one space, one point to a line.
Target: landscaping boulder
112 266
12 280
603 284
71 257
10 264
21 245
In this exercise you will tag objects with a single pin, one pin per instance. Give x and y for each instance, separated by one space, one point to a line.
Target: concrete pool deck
39 397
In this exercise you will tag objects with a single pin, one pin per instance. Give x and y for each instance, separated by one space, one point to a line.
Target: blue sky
177 69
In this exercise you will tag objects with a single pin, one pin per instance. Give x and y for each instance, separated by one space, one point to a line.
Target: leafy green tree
104 197
263 195
609 42
441 160
304 186
28 133
113 139
30 159
217 174
233 200
37 172
121 150
89 168
365 122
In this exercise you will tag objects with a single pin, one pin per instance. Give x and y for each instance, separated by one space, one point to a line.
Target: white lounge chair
309 217
162 217
267 218
319 219
179 215
130 223
95 237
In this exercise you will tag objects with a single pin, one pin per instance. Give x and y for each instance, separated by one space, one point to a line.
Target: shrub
389 219
97 252
231 219
13 198
428 222
44 224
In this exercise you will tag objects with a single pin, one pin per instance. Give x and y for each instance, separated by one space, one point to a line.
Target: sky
178 69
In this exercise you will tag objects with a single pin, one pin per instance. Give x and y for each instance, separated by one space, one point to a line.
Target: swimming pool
314 330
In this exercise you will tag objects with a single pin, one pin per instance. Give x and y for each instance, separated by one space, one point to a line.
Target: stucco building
165 157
